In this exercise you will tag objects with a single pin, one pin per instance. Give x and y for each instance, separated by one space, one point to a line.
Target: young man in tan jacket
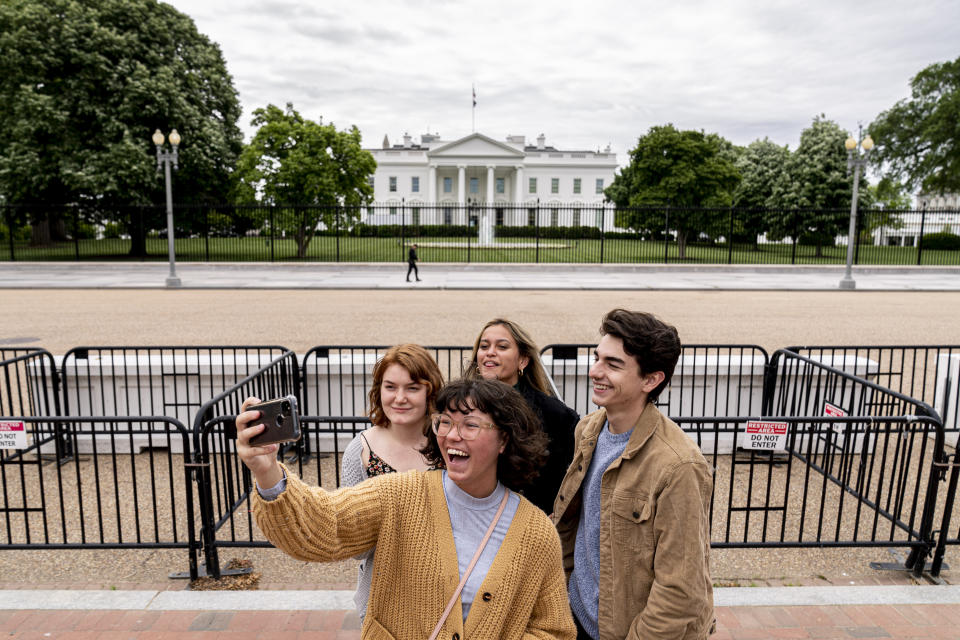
633 508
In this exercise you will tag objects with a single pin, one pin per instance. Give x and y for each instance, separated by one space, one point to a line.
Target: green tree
83 86
816 188
309 166
761 166
918 139
688 171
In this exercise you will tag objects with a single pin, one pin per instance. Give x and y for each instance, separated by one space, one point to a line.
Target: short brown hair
422 368
526 443
654 343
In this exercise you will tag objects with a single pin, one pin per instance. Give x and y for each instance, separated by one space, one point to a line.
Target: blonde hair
534 373
422 368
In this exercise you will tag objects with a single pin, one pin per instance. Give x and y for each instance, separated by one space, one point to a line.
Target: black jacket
412 256
559 422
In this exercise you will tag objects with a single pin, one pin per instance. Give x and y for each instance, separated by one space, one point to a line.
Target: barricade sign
835 412
765 435
13 435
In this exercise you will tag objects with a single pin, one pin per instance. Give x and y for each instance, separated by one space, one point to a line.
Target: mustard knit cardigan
405 515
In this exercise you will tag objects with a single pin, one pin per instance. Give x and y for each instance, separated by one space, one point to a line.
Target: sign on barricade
13 435
765 435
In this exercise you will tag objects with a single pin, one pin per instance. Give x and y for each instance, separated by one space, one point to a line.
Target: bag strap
473 562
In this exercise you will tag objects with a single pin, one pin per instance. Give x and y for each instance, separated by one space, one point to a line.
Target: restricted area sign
13 435
765 435
834 411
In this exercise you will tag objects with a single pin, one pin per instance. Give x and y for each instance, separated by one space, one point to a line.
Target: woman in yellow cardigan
429 527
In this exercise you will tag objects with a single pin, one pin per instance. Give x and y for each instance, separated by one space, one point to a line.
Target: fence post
666 235
601 234
76 233
730 239
7 209
273 238
336 229
856 235
206 235
403 225
536 229
923 222
793 252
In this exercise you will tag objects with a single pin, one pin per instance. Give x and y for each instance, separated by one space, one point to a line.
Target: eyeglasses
468 428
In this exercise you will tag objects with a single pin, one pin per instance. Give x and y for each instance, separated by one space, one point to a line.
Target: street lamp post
165 159
855 161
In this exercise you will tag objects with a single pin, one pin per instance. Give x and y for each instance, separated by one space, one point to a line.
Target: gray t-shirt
354 471
584 584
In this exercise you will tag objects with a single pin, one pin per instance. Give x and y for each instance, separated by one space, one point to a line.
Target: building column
432 185
461 184
490 168
519 215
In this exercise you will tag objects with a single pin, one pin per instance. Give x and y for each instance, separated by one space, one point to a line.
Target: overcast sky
583 73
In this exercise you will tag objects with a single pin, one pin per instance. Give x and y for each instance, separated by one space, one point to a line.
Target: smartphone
281 420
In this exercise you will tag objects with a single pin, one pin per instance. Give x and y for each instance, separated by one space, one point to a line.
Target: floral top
376 466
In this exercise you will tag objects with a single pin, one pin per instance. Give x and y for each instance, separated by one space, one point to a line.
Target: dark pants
581 632
413 268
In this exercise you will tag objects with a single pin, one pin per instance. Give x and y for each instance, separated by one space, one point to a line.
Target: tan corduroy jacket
405 515
654 530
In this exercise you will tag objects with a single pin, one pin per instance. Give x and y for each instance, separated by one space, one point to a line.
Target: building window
448 185
600 219
576 217
499 217
415 184
448 214
501 185
393 184
554 217
554 185
474 185
599 185
532 215
393 211
416 216
533 185
371 181
576 185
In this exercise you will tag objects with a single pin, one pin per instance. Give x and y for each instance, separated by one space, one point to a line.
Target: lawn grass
553 250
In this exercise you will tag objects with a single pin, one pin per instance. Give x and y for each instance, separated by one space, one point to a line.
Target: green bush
112 230
942 241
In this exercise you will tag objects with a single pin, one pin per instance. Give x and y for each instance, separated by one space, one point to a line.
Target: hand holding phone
280 419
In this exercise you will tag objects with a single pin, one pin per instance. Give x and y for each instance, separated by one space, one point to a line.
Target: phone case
281 419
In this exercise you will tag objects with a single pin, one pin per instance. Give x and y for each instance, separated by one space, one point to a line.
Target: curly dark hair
654 343
526 443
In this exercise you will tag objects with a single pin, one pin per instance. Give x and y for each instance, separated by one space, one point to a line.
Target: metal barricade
154 380
223 480
106 500
709 380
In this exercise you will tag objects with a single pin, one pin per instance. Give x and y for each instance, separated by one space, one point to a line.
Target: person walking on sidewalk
633 509
412 263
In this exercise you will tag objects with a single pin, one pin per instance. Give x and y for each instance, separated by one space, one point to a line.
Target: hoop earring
478 369
521 372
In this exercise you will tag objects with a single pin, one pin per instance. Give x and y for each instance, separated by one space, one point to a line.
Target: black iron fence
867 472
534 232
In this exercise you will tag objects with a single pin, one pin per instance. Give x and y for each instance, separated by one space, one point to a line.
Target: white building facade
438 181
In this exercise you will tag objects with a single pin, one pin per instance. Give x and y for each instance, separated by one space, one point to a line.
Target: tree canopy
918 139
688 171
83 86
310 166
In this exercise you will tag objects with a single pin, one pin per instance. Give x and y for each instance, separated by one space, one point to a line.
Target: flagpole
473 110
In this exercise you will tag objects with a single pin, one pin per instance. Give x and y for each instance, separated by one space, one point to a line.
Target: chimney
541 142
406 140
386 142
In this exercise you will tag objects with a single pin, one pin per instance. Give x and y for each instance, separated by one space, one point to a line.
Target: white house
936 213
438 181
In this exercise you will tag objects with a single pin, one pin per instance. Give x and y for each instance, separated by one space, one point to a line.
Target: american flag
474 96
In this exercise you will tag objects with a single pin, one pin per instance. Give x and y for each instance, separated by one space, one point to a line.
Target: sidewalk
137 275
788 612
